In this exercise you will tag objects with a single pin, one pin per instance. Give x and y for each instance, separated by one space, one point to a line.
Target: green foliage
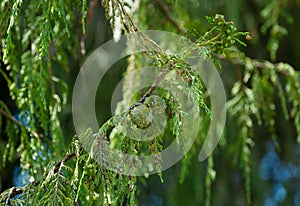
271 15
253 101
226 36
31 43
33 48
36 43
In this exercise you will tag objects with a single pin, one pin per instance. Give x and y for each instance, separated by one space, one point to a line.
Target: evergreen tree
43 46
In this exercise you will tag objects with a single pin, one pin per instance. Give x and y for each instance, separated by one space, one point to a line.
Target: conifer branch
134 26
151 89
165 9
57 170
238 58
12 193
60 164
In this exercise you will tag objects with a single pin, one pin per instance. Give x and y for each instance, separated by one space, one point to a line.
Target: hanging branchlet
265 81
244 96
116 12
272 13
31 36
209 179
256 92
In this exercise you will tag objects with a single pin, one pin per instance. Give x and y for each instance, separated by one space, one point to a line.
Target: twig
82 36
12 193
151 89
16 191
59 165
121 7
50 71
205 43
92 7
11 118
57 170
165 9
282 68
99 146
